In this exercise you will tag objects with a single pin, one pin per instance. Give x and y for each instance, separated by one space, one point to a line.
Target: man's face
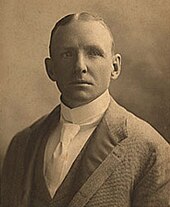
82 61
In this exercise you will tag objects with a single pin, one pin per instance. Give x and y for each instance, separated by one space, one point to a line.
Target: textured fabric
128 165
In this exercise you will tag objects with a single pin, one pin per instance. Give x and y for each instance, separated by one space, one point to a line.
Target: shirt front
87 117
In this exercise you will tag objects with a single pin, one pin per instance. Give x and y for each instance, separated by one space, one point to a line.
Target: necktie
56 166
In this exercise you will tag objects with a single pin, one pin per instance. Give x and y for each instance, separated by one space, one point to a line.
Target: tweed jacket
126 163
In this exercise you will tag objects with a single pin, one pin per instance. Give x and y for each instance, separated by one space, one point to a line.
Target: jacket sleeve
13 168
153 189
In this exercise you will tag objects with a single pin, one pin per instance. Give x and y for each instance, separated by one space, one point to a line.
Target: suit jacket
126 163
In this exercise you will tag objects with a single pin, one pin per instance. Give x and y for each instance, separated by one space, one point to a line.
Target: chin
81 96
76 99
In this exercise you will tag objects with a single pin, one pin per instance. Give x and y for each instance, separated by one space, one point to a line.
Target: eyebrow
96 47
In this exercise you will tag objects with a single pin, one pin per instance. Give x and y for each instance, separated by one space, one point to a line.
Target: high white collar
86 113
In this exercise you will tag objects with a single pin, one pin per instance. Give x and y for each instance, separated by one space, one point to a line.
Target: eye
67 54
94 53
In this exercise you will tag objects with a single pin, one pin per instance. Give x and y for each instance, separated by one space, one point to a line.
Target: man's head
82 59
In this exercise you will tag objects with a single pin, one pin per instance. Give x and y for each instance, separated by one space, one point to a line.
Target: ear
50 68
116 66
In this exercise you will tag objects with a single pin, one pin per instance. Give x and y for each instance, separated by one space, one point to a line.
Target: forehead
79 33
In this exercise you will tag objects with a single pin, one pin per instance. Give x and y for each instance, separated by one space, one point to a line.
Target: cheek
103 72
62 71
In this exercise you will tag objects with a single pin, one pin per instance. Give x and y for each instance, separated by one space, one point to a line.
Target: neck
75 103
86 112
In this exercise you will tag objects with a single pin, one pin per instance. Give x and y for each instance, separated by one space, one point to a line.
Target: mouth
80 82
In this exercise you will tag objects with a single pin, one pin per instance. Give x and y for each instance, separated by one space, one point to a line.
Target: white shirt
87 117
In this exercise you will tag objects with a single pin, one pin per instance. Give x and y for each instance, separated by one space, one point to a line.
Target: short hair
83 16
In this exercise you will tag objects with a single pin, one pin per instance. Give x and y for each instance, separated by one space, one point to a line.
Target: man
88 151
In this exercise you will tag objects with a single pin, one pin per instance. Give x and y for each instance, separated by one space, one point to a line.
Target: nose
80 65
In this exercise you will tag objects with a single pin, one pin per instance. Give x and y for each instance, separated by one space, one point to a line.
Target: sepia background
142 34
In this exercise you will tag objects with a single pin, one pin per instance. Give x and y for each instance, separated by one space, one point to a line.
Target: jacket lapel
103 153
39 132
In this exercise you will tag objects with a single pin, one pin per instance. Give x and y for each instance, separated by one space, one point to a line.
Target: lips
80 82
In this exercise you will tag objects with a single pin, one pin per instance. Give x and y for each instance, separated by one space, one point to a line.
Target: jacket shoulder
19 143
148 145
22 137
139 129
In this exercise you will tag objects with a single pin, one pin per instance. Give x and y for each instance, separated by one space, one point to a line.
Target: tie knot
68 132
